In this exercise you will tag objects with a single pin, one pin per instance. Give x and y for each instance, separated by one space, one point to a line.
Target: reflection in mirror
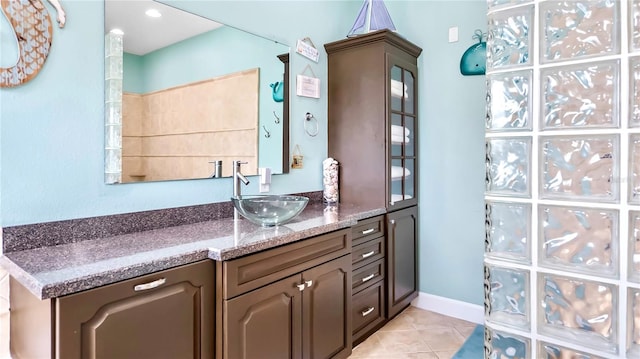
183 92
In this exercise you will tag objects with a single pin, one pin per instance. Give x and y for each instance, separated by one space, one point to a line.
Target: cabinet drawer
367 311
368 252
253 271
367 275
367 229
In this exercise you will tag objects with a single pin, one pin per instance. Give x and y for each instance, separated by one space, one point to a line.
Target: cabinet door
327 310
168 314
403 132
265 323
402 261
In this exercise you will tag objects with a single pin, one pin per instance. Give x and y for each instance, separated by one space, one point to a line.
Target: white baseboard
450 307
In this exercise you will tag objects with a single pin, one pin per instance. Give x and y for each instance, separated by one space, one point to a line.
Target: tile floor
416 334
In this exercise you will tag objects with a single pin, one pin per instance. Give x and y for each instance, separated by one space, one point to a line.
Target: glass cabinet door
403 176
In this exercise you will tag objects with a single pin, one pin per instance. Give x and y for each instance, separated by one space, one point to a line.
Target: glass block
633 323
113 67
580 311
578 29
510 102
509 37
508 231
507 162
634 246
634 26
555 351
113 136
491 4
579 168
502 345
579 240
634 91
113 112
113 163
113 90
508 297
634 168
581 96
113 44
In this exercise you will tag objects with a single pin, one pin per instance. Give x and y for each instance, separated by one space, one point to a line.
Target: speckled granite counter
69 268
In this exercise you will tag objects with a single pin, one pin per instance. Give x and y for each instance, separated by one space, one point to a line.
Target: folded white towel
398 172
399 131
399 139
398 89
399 197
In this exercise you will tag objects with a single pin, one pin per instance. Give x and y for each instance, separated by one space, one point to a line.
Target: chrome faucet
237 177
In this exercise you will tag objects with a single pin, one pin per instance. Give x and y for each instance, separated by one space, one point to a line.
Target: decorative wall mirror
183 91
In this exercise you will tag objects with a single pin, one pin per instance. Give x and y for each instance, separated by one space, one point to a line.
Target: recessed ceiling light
153 13
117 32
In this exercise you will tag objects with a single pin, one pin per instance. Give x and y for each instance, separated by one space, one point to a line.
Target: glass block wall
562 244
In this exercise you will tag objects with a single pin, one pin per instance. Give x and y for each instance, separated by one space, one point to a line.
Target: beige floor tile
4 336
403 341
446 355
442 338
402 322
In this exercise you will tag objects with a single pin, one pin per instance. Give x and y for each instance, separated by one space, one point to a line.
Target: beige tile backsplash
217 120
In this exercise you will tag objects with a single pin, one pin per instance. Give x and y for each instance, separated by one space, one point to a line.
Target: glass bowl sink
269 210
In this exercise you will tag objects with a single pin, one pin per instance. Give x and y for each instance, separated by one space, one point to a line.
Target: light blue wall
51 140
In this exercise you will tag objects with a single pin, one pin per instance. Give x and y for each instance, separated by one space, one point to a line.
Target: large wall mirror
184 91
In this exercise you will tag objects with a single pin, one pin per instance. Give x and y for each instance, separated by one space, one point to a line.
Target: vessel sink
269 210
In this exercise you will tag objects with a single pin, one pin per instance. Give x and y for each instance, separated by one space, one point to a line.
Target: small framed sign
306 48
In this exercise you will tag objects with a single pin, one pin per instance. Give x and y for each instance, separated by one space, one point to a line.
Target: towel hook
276 116
267 134
307 121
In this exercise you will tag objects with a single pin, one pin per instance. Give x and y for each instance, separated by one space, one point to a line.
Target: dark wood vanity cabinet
373 134
289 302
402 259
168 314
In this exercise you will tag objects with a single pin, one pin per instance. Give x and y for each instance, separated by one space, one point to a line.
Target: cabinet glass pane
634 246
508 231
554 351
399 136
397 89
581 168
402 177
580 311
633 323
507 165
506 345
410 143
579 240
578 96
508 301
577 29
409 96
509 38
510 102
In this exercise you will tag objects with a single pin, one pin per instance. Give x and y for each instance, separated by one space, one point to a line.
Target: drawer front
253 271
367 229
368 252
367 275
367 310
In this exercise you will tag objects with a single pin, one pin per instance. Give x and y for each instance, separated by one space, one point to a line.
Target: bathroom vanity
215 289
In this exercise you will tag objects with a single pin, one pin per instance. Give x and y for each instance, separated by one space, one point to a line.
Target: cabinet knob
146 286
369 277
300 287
367 311
367 231
309 283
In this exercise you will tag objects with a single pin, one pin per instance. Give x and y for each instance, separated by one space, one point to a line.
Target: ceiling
144 34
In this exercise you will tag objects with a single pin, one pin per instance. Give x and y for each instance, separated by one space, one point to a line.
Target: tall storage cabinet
373 133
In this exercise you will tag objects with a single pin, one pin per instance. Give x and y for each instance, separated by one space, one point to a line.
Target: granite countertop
59 270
